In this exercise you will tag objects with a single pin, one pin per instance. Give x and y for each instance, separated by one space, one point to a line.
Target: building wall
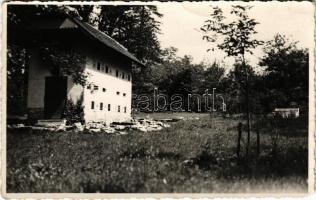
95 67
38 70
107 89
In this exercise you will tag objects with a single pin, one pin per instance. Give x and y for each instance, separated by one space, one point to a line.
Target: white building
108 64
287 112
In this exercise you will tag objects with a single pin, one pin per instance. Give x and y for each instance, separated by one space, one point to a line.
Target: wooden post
239 139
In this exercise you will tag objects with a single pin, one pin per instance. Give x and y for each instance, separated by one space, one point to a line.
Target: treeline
280 80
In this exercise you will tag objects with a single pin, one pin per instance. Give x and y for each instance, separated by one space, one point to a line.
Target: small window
124 94
101 106
103 89
123 75
117 73
96 87
106 69
92 105
109 107
118 93
89 87
125 109
129 77
118 108
98 66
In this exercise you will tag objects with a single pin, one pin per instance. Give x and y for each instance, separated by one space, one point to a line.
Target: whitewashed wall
115 88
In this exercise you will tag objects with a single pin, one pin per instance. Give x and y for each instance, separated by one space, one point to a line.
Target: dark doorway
55 96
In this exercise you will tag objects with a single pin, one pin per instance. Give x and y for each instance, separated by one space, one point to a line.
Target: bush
73 112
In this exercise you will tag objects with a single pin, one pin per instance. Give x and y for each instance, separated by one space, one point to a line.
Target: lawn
193 155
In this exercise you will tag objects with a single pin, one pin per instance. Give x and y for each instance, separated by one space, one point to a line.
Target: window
89 87
118 108
129 77
96 87
98 66
106 69
101 106
123 75
103 89
125 109
124 94
117 73
109 107
92 105
118 93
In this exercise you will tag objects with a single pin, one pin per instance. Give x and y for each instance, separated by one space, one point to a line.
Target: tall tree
286 68
237 40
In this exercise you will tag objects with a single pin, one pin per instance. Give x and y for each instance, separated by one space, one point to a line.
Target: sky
181 24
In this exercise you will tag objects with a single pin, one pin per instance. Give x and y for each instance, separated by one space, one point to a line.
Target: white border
311 137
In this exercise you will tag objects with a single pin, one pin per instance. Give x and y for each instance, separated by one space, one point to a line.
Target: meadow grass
190 156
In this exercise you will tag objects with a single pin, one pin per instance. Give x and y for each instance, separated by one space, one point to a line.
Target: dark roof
106 40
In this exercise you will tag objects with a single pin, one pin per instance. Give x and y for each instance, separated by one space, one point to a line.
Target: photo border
311 113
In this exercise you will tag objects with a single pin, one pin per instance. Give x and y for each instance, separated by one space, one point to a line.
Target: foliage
191 156
65 62
237 34
237 41
180 76
135 27
235 87
286 68
74 112
16 82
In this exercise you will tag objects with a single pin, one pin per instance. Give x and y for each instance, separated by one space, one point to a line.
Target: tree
214 75
237 40
286 68
179 75
235 87
135 27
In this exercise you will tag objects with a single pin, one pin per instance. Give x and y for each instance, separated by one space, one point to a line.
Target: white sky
182 21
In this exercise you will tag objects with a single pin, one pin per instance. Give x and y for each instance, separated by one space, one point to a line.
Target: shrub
73 112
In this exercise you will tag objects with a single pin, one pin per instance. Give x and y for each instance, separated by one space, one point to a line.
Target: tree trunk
247 108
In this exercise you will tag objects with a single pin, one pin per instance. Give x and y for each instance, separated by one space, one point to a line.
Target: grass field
190 156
